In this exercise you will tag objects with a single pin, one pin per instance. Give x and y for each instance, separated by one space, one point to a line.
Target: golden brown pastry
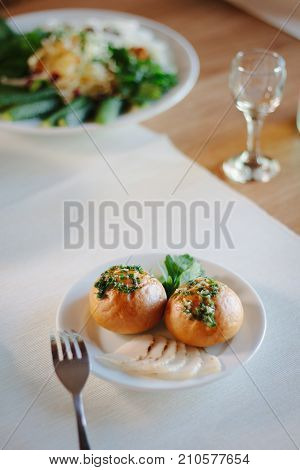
127 300
204 312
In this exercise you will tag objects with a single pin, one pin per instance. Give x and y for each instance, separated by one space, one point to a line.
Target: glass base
241 170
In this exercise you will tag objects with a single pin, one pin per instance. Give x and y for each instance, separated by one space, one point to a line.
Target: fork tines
67 346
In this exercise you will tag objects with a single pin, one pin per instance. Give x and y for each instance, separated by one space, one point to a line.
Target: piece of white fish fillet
132 357
134 350
163 358
172 359
177 361
161 353
170 351
211 364
157 349
191 368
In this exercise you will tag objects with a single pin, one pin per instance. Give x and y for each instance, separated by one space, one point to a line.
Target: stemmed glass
256 80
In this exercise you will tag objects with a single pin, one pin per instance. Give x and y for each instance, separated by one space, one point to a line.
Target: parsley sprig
178 270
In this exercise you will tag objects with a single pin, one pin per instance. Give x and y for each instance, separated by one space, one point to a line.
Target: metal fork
71 364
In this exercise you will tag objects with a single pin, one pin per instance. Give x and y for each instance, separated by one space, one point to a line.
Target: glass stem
254 126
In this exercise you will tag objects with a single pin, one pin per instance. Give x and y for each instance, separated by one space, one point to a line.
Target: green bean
71 114
32 110
74 119
108 110
10 96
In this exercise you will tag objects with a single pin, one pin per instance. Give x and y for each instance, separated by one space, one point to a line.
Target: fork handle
81 423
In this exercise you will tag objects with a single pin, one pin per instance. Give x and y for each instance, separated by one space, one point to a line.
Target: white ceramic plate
184 55
73 313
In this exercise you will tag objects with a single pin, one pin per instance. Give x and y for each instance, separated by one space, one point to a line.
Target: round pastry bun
129 313
229 316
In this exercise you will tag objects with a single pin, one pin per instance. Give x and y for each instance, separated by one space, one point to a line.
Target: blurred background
217 30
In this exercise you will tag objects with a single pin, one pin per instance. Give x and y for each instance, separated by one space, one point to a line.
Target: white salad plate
73 314
184 56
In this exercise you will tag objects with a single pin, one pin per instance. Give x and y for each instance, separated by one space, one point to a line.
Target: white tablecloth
37 175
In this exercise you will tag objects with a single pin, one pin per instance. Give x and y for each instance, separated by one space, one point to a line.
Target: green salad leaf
5 30
17 49
178 270
139 81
